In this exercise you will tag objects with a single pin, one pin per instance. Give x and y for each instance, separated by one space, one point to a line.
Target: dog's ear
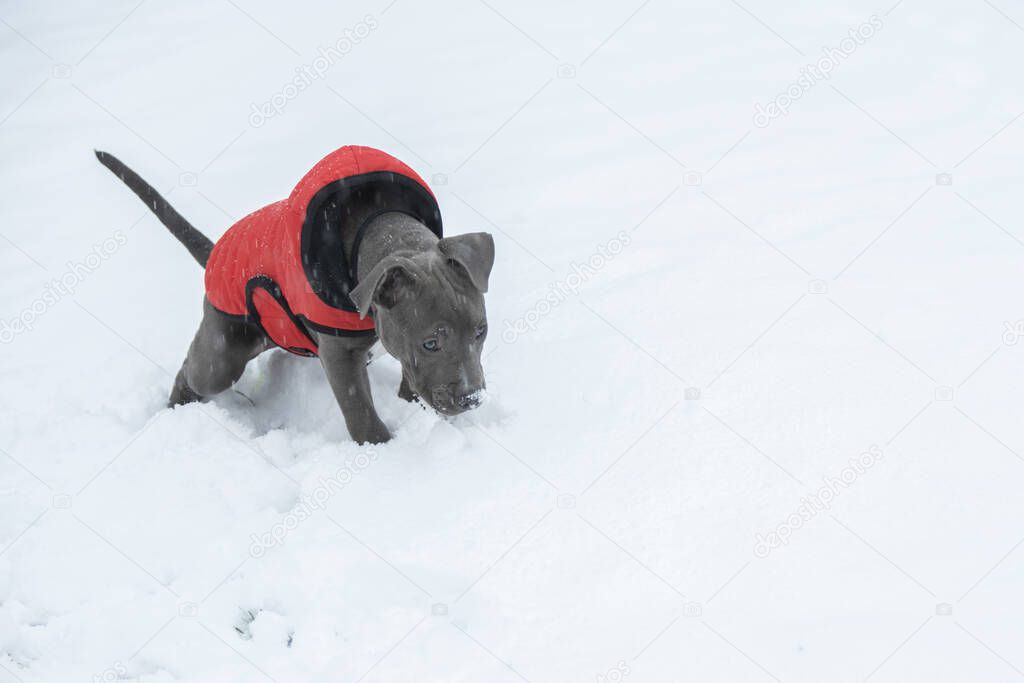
389 282
474 252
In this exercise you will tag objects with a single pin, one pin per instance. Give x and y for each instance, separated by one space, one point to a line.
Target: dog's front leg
344 361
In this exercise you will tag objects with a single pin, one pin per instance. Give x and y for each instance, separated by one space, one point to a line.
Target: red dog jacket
284 268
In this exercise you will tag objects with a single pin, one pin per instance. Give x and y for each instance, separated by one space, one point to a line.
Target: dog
355 253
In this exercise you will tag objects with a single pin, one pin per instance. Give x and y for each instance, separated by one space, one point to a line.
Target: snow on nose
470 400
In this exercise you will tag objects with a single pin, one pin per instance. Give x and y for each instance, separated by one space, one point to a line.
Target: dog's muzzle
451 403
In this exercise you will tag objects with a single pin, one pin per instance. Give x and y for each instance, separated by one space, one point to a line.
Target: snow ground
782 298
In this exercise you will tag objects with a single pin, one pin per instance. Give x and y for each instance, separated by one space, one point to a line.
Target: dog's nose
468 401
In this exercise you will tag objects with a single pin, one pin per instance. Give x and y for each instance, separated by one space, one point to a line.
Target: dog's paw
372 434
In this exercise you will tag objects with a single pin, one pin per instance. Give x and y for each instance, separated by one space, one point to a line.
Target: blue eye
481 331
430 345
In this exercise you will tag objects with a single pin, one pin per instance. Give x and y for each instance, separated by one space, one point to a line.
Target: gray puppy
354 253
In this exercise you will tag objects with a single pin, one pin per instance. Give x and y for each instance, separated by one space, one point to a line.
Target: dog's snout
439 395
450 401
468 401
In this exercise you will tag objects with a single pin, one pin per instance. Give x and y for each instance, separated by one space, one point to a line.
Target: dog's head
428 309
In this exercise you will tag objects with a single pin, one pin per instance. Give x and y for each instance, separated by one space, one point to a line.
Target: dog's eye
430 345
481 330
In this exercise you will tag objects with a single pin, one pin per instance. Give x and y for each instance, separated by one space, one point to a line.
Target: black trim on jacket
270 287
324 262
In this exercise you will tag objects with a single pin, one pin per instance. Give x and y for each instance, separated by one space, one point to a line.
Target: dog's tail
198 244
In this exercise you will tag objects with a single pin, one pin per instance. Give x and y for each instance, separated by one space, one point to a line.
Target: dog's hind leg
222 347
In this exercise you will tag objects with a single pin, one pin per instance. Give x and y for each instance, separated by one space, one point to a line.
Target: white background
811 282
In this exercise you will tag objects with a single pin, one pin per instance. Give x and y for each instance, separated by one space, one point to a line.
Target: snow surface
769 302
